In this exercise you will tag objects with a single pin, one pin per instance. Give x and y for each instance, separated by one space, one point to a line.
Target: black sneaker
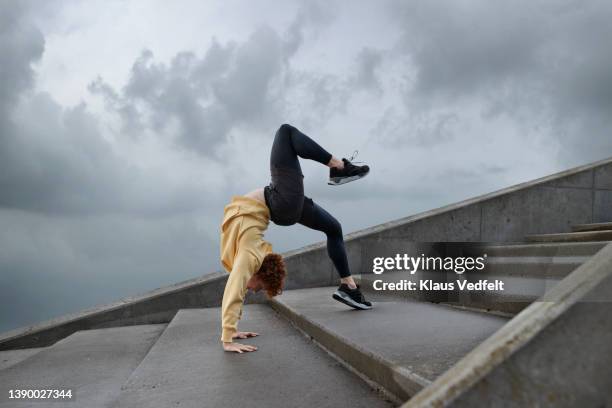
349 173
352 297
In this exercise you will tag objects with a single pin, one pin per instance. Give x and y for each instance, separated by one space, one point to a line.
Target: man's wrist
227 335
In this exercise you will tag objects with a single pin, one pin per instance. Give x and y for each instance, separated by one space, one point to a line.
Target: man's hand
238 348
244 335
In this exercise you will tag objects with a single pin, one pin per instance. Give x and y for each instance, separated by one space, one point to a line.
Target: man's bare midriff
257 195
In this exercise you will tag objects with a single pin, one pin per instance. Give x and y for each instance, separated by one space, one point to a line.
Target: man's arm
234 293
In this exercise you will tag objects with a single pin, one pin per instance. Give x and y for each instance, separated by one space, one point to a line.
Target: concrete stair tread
530 266
596 226
535 260
571 236
538 267
93 363
9 358
423 338
188 368
535 249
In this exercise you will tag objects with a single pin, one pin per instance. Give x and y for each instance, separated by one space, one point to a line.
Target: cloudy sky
126 126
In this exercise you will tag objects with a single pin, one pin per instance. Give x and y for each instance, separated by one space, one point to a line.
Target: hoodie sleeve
235 291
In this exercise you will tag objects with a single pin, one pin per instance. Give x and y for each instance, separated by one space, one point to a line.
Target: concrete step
535 249
571 236
518 291
92 363
401 345
9 358
538 267
188 368
598 226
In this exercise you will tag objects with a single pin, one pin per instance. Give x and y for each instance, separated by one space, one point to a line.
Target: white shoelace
355 153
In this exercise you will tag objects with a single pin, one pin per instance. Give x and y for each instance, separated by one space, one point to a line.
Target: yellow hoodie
242 252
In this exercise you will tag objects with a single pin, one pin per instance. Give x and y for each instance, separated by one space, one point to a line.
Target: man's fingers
241 348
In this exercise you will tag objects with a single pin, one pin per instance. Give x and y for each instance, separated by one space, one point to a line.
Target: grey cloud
21 45
368 60
215 62
244 90
542 63
330 95
311 14
423 129
230 86
131 122
460 49
54 159
60 164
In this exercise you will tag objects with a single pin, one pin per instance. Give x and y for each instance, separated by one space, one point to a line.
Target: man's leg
285 194
315 217
289 143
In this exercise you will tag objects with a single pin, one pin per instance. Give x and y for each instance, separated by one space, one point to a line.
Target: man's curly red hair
272 274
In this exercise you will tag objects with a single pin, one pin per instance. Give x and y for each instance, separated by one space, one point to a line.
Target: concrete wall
548 204
557 352
156 306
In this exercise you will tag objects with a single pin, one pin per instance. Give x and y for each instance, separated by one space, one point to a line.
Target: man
250 260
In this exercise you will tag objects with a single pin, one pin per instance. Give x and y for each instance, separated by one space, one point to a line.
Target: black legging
285 194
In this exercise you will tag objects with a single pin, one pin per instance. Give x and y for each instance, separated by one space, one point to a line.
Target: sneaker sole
341 297
336 181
